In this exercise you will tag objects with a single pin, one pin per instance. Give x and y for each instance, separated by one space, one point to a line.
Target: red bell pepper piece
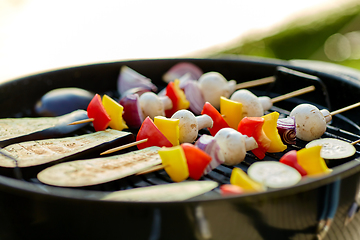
230 189
177 97
197 160
149 131
218 120
96 110
252 127
171 93
290 159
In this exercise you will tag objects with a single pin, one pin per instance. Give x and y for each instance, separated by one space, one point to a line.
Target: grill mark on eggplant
15 130
34 153
99 170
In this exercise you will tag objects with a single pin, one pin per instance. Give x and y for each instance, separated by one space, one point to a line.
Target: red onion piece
194 96
129 78
209 145
180 69
132 113
287 130
137 90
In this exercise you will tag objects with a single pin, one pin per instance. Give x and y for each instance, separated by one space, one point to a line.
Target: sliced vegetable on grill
33 153
231 111
163 193
333 148
287 130
189 125
180 69
270 129
311 123
169 127
312 162
15 130
60 101
240 178
174 162
234 145
95 171
290 159
97 112
197 160
132 113
209 145
152 134
129 78
153 105
274 174
177 97
115 112
254 106
214 85
218 120
253 127
230 190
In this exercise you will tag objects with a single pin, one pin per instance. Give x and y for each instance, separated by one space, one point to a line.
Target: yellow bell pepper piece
169 127
311 161
115 111
231 111
174 162
240 178
271 131
183 102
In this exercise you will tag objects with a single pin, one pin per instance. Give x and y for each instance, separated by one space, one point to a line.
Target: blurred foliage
303 38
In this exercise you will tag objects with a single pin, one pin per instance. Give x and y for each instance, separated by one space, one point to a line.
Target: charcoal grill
32 210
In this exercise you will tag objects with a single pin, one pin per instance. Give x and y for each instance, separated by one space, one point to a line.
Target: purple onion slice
209 145
287 130
132 113
129 78
180 69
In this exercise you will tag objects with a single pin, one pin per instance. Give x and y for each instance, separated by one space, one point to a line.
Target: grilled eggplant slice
34 153
99 170
15 130
163 193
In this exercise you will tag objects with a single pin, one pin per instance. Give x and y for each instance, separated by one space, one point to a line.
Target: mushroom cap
252 107
213 85
232 144
310 122
188 126
151 105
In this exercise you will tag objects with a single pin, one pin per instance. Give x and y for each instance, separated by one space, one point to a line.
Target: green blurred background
330 36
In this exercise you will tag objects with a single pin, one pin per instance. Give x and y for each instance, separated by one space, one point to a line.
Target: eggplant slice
34 153
99 170
15 130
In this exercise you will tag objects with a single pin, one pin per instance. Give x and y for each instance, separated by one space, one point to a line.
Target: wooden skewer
123 147
82 121
255 82
355 142
152 169
345 109
293 94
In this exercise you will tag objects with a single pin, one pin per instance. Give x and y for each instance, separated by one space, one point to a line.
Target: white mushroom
189 125
252 107
213 85
234 145
265 102
152 105
310 121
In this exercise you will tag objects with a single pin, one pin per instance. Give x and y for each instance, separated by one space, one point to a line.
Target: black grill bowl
30 210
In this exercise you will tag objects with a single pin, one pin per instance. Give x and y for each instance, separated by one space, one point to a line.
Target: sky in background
37 35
